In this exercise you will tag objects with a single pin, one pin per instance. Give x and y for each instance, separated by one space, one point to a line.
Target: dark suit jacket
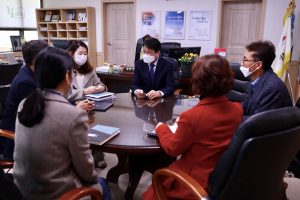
23 84
163 77
270 93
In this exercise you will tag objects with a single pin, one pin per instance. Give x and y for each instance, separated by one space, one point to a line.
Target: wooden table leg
114 173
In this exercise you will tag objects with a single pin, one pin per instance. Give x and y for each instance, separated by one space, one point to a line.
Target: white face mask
246 71
80 59
148 59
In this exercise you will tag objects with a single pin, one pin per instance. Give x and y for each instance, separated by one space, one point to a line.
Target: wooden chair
74 194
8 134
254 163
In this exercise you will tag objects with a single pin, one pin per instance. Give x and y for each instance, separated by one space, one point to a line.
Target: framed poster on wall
174 25
200 25
151 23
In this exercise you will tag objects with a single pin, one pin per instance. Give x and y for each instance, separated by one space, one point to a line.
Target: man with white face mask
153 76
267 90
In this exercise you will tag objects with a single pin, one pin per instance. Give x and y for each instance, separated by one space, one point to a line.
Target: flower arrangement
189 57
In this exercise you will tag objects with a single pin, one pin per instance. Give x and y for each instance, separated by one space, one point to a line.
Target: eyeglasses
148 53
245 60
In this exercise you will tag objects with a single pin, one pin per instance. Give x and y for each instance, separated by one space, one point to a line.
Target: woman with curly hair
205 130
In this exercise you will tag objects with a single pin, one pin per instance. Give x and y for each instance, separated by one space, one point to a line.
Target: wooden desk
121 83
136 151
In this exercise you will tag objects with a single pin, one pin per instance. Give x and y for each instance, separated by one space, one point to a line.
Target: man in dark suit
23 84
153 75
267 92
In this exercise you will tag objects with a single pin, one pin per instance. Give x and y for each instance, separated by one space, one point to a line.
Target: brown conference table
136 151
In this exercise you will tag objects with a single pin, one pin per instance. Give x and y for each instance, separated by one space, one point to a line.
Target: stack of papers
82 28
43 28
53 38
61 29
102 69
102 96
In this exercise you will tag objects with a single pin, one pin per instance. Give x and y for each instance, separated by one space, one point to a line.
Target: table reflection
154 111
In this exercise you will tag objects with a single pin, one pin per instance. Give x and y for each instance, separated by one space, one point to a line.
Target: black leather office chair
255 162
241 85
63 44
1 114
176 74
7 74
165 46
295 165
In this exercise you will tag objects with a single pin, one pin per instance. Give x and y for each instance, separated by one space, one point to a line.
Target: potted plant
186 63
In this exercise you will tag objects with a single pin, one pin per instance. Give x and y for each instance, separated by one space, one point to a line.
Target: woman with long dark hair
86 81
52 153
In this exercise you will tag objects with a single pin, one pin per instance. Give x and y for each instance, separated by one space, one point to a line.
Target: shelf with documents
69 30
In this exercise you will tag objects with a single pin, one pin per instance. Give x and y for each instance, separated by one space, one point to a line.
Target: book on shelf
99 95
100 134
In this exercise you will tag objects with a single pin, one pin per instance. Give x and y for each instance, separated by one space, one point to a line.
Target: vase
111 70
186 69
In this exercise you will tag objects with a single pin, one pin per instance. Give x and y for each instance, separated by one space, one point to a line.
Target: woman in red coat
205 130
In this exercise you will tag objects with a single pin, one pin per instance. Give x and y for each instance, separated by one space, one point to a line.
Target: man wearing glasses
153 76
267 90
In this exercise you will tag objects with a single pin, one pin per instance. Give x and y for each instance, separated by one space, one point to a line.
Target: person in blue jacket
23 84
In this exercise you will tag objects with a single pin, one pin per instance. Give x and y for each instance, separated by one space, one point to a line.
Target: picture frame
150 21
16 43
71 16
175 25
55 18
48 16
200 25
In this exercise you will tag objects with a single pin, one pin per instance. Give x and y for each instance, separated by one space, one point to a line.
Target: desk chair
63 44
7 74
295 165
165 46
74 194
241 85
1 114
176 74
254 164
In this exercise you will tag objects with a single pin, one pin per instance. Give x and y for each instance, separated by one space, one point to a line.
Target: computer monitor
179 52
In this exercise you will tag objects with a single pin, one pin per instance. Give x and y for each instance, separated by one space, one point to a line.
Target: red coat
202 136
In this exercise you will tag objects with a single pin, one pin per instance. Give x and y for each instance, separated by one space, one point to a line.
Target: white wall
207 47
275 10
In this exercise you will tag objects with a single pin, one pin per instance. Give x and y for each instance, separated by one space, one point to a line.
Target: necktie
151 71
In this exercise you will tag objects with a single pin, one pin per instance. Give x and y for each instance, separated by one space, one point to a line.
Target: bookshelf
69 30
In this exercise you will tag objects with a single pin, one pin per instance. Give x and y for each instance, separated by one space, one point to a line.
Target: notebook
99 95
102 106
100 134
